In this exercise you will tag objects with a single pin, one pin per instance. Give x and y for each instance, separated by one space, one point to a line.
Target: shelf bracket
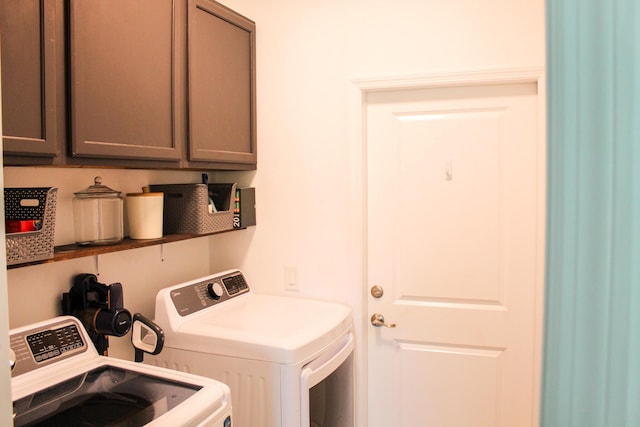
97 262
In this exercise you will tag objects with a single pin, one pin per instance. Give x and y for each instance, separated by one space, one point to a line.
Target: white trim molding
358 91
453 78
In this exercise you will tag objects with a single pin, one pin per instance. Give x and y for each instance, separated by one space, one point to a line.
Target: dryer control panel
208 291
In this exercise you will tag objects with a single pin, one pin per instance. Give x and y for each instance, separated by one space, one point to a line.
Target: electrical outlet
291 279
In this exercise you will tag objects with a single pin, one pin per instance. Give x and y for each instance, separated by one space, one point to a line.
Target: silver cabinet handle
377 320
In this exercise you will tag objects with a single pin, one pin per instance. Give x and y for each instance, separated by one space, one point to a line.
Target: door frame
359 89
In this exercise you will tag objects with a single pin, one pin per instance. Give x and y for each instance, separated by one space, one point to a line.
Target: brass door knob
377 320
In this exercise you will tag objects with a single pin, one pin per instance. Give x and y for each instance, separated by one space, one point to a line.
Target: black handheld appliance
101 310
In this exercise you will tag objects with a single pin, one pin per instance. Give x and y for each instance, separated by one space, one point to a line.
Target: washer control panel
207 292
39 347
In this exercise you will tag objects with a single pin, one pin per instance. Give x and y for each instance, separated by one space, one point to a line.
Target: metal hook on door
448 170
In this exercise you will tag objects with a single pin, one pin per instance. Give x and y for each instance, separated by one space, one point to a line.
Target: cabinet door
221 67
122 79
32 55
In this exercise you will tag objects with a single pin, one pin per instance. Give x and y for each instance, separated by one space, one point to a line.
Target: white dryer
59 379
288 361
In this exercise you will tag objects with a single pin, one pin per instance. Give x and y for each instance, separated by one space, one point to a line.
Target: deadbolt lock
377 291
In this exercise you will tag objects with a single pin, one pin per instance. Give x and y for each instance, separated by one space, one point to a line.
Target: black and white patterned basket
19 204
186 208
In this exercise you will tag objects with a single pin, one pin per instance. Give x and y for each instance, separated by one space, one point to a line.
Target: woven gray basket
186 208
32 245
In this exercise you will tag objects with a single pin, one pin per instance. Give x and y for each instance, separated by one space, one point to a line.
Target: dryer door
327 386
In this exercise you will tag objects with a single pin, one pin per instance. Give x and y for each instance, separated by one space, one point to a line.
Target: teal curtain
592 313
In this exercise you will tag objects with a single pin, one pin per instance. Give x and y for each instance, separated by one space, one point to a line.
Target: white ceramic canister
144 214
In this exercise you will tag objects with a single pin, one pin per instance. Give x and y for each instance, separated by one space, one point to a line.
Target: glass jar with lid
98 215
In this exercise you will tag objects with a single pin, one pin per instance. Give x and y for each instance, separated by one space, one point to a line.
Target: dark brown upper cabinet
221 84
122 79
142 83
32 81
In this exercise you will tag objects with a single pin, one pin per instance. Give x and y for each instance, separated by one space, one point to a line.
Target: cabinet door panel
221 84
123 79
30 49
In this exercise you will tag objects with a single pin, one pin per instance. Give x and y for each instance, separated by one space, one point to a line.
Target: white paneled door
453 222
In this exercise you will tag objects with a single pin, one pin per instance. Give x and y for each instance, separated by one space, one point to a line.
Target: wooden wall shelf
66 252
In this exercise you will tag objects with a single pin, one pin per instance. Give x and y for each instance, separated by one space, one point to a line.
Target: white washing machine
59 379
288 361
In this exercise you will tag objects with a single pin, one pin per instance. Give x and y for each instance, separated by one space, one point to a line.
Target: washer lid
103 396
75 385
271 328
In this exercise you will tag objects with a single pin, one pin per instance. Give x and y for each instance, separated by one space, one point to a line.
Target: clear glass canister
98 215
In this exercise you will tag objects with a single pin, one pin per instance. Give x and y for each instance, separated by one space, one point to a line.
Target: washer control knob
215 290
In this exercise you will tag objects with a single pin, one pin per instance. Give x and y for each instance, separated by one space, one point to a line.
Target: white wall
309 173
308 54
6 408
